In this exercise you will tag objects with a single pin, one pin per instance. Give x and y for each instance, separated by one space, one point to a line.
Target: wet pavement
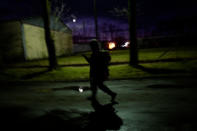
144 105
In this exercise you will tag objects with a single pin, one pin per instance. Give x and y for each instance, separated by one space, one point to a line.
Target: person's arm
87 59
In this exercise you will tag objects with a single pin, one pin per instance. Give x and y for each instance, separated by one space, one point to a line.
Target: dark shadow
12 117
158 70
60 120
168 60
104 117
5 74
28 66
21 118
2 73
171 86
35 74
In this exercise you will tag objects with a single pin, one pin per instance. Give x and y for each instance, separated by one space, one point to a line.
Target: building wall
63 43
34 42
81 47
35 46
11 48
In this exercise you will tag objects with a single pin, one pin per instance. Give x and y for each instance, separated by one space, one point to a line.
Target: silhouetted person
99 62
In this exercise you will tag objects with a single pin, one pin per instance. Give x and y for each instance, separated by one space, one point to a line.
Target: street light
74 20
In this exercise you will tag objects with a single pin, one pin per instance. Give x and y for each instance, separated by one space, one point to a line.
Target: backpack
105 58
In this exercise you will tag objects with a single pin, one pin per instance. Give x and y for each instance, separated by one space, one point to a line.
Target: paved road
144 105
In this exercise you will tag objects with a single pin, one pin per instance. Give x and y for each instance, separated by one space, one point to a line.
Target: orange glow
111 45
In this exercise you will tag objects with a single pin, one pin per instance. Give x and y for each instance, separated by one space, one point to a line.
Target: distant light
74 20
111 45
80 89
126 44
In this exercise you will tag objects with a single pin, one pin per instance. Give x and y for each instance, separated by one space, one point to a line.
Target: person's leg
93 86
107 90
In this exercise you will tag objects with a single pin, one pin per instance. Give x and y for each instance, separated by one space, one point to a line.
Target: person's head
94 45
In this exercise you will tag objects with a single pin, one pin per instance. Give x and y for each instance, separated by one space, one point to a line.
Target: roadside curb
134 78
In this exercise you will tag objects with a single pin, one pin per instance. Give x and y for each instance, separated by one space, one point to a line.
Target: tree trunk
48 38
132 30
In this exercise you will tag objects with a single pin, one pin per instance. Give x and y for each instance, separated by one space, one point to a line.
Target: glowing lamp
74 20
111 45
126 44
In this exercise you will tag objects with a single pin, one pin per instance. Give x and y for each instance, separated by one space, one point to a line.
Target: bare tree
58 10
132 30
61 13
131 12
124 12
119 12
48 38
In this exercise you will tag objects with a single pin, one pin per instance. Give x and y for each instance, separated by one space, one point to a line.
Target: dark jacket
99 63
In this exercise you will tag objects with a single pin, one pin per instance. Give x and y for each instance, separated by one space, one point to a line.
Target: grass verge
37 70
123 71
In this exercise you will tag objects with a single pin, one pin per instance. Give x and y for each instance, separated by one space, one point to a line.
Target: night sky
150 8
149 12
